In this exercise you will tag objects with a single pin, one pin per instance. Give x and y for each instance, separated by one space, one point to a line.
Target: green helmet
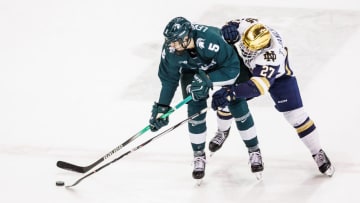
177 29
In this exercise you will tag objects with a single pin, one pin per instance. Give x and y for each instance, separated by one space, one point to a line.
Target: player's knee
296 117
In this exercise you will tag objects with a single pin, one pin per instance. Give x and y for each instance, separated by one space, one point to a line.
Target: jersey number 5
214 47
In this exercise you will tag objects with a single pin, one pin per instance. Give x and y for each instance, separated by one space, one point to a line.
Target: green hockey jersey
211 54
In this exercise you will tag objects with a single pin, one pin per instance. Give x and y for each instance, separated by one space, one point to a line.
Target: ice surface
78 78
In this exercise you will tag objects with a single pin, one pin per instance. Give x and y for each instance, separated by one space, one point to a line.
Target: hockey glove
222 97
200 86
157 111
230 32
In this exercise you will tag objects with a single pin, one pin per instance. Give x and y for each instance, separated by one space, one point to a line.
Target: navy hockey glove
222 97
157 111
200 86
230 32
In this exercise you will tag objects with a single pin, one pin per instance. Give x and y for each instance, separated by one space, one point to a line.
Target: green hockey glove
200 86
157 111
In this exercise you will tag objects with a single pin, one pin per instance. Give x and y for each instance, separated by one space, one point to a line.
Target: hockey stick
138 147
84 169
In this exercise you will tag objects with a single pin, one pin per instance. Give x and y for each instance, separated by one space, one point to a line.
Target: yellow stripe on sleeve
261 83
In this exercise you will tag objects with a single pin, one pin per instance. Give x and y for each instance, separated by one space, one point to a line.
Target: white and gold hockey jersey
267 63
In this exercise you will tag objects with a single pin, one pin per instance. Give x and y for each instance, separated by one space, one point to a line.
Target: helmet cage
247 53
254 39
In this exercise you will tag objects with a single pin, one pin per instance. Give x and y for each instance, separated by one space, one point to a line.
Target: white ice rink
78 78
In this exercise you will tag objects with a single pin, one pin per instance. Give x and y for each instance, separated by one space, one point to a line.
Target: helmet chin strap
188 40
184 44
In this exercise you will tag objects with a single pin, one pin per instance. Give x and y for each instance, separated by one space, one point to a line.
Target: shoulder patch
200 42
163 54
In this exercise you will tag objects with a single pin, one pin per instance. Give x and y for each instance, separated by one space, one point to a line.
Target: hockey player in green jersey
198 57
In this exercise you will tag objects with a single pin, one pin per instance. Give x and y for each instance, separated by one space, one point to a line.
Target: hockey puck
60 183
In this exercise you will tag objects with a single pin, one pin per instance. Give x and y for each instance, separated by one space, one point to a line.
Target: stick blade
71 167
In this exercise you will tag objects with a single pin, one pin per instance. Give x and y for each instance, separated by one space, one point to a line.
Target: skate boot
217 141
257 166
324 164
199 167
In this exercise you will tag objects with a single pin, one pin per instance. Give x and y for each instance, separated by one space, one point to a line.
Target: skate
199 167
217 141
323 163
257 166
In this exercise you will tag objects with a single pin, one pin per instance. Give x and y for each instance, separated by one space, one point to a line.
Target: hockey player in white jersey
266 55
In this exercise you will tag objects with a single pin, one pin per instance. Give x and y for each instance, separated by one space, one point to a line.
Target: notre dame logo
270 55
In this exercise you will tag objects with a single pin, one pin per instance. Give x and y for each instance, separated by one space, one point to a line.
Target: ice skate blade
330 172
198 182
258 175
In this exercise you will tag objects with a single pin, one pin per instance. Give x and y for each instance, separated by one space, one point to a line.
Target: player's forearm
246 90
